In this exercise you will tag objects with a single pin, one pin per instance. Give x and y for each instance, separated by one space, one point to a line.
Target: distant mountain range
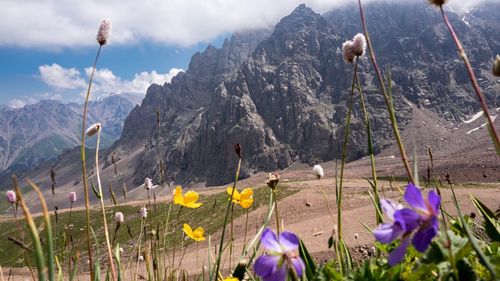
35 133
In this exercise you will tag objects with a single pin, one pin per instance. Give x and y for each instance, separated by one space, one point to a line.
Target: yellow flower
244 199
196 235
188 200
231 279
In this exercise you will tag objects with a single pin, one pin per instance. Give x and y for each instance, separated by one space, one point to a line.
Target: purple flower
421 220
11 196
72 197
282 256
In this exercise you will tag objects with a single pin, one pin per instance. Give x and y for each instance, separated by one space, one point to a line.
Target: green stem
370 148
387 98
48 227
103 210
40 262
276 213
84 167
344 151
226 218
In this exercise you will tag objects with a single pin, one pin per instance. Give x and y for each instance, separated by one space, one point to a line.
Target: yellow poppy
196 235
188 200
244 199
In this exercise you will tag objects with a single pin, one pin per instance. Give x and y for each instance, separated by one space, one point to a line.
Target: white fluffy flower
103 33
348 51
148 184
318 171
119 218
144 212
359 44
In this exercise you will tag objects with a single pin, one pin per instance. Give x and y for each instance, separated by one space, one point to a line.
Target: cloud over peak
56 24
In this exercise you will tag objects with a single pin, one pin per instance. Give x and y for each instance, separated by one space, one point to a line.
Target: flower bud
92 130
237 149
144 212
11 196
496 66
437 2
72 197
103 33
273 180
119 218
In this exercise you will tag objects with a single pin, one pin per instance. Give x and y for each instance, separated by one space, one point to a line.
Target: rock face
39 132
282 95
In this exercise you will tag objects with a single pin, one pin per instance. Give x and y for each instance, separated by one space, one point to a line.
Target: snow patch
474 118
477 128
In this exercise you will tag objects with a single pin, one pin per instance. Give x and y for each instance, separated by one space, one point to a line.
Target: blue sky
47 46
20 78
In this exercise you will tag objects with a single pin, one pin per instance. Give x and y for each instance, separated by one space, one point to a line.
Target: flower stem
475 85
370 148
387 99
276 213
217 266
344 151
84 167
103 210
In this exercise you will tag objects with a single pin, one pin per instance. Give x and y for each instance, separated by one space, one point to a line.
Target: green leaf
96 193
490 223
308 261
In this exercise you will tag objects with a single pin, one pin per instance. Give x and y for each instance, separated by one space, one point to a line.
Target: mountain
286 100
40 132
282 95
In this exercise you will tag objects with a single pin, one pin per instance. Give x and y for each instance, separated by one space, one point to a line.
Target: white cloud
17 103
22 102
55 23
105 81
61 78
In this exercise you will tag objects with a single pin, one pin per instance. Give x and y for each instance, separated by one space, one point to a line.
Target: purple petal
389 207
434 201
299 266
424 236
289 241
265 265
398 254
387 232
278 274
414 197
269 241
408 219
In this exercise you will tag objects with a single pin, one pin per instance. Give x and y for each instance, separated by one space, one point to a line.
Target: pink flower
72 197
103 33
11 196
